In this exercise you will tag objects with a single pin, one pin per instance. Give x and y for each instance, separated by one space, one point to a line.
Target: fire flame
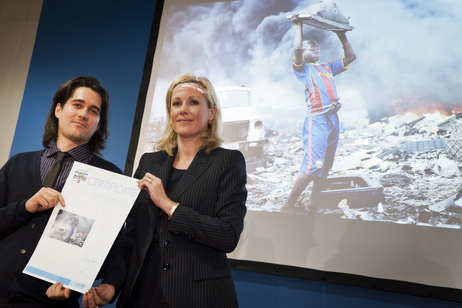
420 107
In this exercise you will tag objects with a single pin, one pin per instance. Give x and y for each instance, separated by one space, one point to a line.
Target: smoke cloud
408 53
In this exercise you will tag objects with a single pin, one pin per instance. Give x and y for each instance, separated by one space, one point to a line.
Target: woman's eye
194 102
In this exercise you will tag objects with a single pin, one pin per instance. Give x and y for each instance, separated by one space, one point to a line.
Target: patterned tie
54 171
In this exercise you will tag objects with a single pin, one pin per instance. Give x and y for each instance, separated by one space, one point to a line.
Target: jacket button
166 266
167 244
23 251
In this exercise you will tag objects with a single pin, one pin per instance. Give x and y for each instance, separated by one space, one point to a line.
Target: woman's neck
185 154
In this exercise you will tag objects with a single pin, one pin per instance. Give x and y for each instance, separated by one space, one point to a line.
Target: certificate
78 237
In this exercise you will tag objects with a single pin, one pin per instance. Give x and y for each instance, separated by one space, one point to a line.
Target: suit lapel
198 166
163 170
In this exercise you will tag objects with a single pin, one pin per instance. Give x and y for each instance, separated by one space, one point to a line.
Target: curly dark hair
65 91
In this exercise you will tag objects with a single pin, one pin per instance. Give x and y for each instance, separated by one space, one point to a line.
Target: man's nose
83 113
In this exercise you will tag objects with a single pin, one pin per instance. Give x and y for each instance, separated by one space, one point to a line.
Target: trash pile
417 161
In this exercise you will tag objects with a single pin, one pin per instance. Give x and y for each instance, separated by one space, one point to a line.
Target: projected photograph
342 108
71 228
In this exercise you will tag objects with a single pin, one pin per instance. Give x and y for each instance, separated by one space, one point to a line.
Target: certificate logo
80 175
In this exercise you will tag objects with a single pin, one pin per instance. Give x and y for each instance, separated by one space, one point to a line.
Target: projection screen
389 207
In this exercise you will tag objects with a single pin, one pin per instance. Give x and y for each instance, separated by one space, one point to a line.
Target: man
76 125
321 126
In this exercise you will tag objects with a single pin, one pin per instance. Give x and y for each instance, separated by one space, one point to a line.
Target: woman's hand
98 296
153 185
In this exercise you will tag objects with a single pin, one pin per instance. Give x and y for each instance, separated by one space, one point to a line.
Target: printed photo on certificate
78 237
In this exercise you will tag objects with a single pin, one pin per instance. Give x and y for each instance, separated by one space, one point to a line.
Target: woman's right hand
98 296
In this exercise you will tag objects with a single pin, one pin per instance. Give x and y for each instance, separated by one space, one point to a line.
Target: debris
417 176
446 167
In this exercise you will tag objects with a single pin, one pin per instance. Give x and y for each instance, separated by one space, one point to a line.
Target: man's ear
58 110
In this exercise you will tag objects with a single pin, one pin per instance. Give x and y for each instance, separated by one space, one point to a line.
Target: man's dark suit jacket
20 232
193 244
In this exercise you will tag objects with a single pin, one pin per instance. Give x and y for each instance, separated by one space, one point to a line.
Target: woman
189 214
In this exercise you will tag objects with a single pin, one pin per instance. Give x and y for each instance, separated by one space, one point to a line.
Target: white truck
243 128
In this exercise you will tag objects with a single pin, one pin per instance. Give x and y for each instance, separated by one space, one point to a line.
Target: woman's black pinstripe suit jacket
193 244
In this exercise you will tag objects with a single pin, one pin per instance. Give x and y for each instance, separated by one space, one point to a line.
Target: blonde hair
211 137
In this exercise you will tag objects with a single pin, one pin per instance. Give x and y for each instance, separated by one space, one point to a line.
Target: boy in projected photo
321 125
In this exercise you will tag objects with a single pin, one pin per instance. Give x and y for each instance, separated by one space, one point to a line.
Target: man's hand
58 291
44 199
98 296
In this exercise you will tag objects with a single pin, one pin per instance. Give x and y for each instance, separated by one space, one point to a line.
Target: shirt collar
80 153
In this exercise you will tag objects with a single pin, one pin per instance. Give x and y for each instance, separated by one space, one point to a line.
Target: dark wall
257 290
109 39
